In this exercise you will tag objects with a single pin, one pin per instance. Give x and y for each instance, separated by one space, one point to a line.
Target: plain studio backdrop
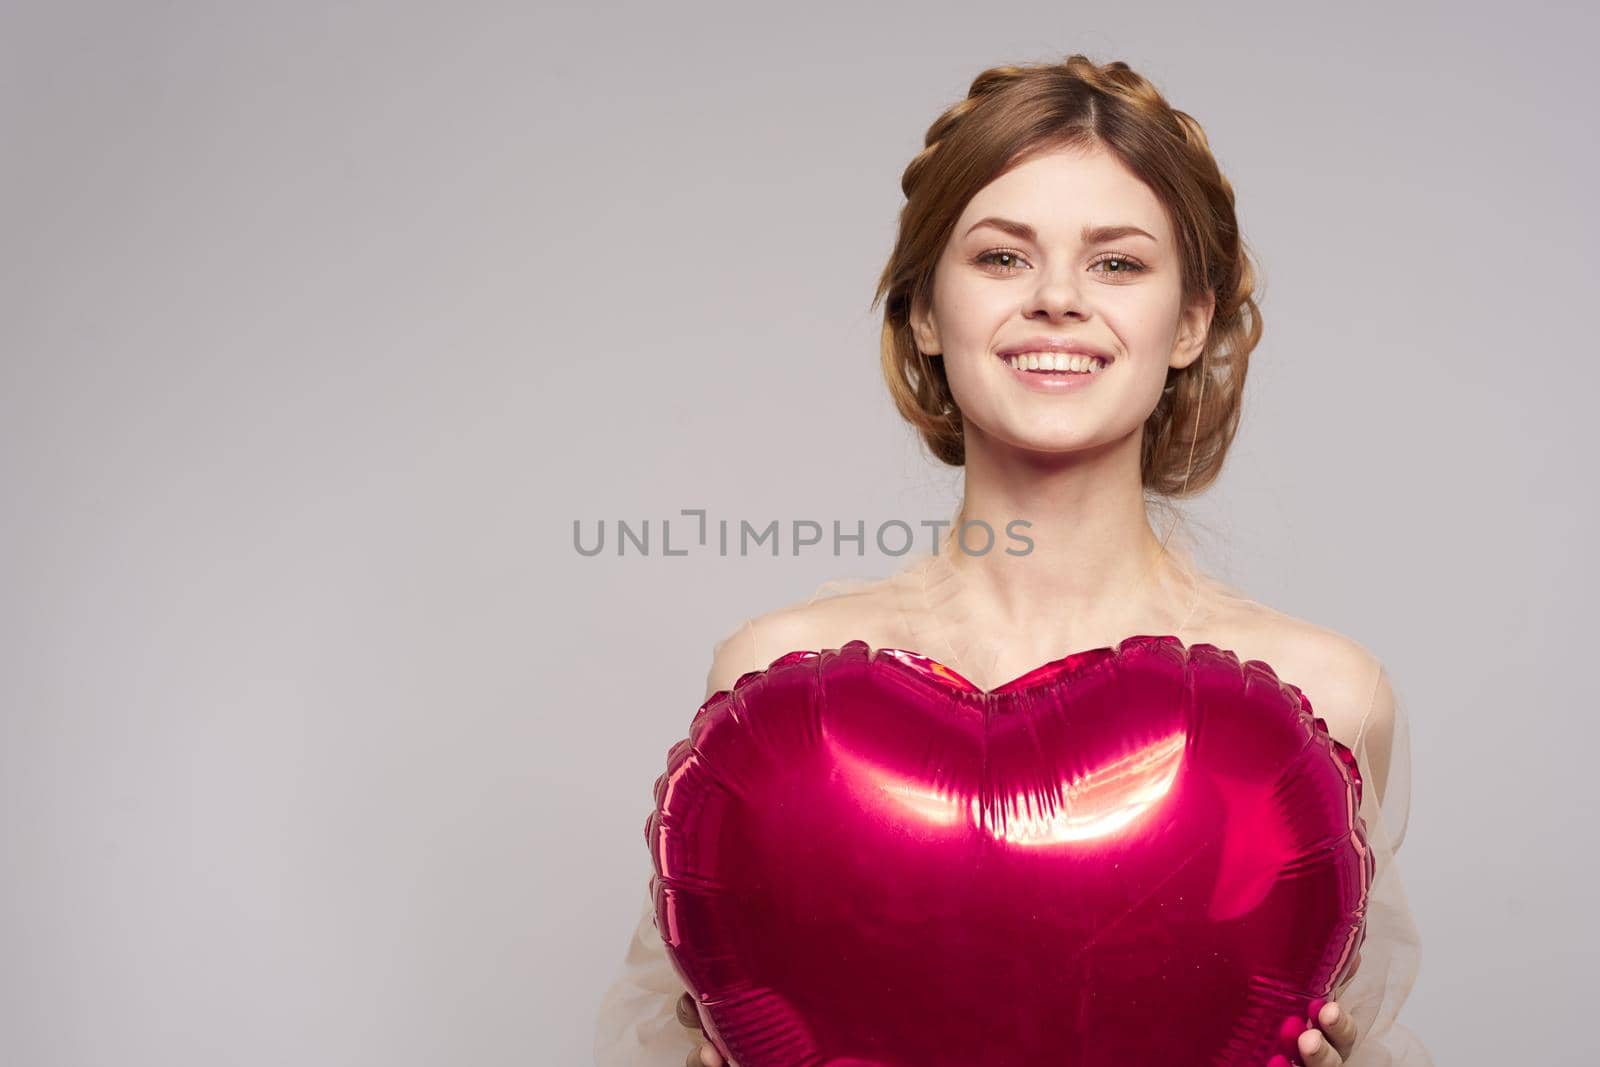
322 324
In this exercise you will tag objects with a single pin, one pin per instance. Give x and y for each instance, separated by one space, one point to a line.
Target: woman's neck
1094 565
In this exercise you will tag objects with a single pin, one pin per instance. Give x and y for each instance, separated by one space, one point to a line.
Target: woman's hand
1324 1045
1330 1041
1328 1044
706 1055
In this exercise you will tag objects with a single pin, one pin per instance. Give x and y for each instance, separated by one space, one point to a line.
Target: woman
1069 313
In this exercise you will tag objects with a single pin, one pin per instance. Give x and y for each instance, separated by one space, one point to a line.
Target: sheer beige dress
921 608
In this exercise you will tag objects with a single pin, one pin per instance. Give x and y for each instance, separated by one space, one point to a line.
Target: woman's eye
1128 265
999 253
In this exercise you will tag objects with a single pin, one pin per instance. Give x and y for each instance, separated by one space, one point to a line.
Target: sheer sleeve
637 1025
1391 952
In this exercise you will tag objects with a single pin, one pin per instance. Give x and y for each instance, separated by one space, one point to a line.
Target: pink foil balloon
1140 855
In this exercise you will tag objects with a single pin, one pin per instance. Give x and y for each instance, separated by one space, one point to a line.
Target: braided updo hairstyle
1013 112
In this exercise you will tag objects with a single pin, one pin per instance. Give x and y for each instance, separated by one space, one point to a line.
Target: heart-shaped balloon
1139 855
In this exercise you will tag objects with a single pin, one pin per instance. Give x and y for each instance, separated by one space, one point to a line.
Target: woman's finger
1317 1052
1339 1028
703 1056
687 1015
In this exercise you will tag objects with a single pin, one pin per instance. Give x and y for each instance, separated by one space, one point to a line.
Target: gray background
320 743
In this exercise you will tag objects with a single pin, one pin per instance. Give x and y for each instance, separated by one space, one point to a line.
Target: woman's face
1022 264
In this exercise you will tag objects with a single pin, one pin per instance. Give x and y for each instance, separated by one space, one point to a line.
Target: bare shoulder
1346 684
811 625
1339 676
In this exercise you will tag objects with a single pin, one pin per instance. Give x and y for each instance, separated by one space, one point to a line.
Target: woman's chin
1073 440
1044 448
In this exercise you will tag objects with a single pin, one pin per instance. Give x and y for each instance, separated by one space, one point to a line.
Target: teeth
1059 361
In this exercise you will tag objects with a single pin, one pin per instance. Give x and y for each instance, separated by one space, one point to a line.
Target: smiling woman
1155 232
1069 315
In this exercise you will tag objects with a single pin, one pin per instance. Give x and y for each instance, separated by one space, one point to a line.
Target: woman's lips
1069 345
1052 381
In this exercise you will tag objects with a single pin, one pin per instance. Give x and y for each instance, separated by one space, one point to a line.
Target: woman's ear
923 330
1192 330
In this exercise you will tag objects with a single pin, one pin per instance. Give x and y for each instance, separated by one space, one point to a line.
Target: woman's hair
1012 113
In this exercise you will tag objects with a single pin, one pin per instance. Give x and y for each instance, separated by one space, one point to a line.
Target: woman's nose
1057 296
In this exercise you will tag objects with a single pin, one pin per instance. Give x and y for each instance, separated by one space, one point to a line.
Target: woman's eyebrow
1092 235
